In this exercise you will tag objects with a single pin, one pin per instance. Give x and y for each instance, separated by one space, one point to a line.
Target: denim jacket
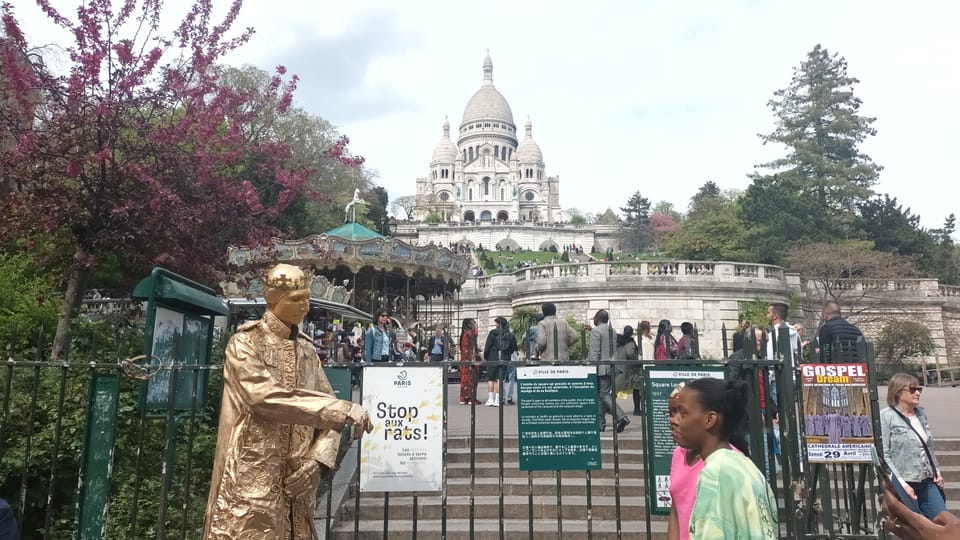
902 448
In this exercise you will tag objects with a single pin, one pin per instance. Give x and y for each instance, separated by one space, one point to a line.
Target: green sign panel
179 332
97 460
559 419
659 382
339 378
184 339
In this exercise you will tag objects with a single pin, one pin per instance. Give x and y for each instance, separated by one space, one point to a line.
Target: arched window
510 156
486 185
496 151
471 154
502 193
464 154
470 194
486 215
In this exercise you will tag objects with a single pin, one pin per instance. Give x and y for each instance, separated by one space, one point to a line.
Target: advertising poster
836 413
659 382
405 450
559 422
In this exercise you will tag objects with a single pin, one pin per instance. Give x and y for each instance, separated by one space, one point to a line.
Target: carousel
359 271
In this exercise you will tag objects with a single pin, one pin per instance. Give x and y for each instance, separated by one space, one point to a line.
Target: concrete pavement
942 406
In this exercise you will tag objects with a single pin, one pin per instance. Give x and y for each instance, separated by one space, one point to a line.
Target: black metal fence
158 479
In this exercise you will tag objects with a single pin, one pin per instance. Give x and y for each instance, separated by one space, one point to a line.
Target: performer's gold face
292 307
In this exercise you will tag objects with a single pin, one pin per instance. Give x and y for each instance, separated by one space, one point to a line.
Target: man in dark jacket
835 331
438 346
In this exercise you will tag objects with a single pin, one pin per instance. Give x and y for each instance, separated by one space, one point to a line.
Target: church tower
486 175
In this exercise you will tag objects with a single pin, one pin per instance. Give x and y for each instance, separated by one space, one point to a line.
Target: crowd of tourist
717 491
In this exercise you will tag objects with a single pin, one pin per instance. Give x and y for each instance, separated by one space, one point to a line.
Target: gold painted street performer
279 423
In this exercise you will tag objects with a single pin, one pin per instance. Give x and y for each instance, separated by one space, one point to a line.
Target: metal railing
159 479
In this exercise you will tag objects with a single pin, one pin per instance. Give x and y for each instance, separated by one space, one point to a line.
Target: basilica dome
529 151
487 103
445 151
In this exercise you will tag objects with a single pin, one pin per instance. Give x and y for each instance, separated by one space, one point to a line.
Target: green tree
894 229
777 215
331 182
578 217
814 191
945 262
818 121
708 191
636 221
376 214
667 208
711 232
26 305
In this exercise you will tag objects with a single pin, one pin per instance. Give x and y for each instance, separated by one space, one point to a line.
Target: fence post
97 461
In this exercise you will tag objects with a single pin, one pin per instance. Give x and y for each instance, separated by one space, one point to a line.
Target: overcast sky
624 96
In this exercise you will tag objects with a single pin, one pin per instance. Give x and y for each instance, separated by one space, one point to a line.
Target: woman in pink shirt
684 473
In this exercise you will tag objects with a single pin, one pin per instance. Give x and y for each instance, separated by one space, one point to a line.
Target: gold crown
279 277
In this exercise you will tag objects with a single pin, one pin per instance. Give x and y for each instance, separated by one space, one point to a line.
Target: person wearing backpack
499 347
602 344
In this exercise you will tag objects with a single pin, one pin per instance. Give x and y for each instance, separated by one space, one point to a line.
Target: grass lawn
511 259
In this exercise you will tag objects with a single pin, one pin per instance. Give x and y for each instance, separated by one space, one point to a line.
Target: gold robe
278 410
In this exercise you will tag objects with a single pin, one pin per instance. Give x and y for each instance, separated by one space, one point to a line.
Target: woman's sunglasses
915 389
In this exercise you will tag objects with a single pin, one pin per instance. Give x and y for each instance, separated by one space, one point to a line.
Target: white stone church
488 175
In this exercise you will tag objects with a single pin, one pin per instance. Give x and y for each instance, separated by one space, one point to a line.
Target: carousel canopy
354 232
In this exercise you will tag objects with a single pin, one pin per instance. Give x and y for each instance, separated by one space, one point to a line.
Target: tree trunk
70 304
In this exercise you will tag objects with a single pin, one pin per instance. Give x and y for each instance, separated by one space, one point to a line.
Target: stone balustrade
949 290
617 271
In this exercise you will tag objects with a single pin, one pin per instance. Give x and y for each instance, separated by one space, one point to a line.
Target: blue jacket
902 448
373 344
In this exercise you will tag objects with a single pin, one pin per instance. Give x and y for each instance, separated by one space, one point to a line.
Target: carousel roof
353 231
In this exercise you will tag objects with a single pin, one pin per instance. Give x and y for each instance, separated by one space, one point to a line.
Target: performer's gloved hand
360 419
302 480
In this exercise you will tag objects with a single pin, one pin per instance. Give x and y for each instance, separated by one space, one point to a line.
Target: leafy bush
27 306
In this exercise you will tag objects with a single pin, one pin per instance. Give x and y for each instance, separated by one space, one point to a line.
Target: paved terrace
942 406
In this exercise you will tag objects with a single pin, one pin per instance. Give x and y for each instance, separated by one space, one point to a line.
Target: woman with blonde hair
908 445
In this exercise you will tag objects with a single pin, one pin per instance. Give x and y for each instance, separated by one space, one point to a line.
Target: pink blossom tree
663 226
136 148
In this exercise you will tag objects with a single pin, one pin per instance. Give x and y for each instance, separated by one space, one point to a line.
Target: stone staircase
519 489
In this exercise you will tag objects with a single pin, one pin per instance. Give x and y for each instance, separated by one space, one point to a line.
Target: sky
624 96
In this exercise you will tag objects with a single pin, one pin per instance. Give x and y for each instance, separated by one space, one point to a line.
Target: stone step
544 487
462 455
514 529
625 440
948 453
492 469
574 507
